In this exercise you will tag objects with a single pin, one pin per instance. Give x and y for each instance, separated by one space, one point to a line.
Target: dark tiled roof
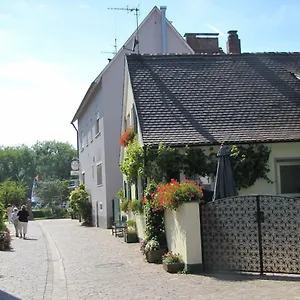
206 99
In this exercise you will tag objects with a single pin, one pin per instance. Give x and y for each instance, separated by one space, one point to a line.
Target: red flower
127 137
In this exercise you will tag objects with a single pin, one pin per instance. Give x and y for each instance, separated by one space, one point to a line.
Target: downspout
77 139
163 28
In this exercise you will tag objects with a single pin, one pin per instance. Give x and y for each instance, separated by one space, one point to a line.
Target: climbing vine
133 164
249 163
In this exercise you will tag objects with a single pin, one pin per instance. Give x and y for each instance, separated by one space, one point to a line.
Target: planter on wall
130 238
155 256
173 268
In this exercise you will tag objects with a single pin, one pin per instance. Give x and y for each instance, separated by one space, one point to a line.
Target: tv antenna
115 49
135 10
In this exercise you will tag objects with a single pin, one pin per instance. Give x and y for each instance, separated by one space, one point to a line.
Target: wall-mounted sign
75 165
74 173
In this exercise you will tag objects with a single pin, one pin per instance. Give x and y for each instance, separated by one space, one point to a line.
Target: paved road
63 260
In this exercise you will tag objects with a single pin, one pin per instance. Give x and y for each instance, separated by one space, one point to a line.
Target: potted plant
153 251
172 262
130 234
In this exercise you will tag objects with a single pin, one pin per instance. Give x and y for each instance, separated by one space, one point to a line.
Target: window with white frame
288 174
99 174
81 140
97 125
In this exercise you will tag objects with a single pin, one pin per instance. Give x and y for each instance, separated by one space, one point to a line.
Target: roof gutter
77 138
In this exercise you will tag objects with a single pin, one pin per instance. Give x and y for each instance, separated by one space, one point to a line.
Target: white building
99 115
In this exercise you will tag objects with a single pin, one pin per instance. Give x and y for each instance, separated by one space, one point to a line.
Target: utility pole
135 10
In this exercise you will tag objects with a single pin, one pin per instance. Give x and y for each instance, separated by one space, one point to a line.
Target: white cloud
38 101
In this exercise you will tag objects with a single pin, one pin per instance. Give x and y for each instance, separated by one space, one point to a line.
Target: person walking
9 212
23 221
15 220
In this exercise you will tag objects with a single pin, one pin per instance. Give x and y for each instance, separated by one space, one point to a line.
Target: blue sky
51 50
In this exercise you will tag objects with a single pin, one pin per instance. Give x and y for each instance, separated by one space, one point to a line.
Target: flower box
130 238
173 268
155 256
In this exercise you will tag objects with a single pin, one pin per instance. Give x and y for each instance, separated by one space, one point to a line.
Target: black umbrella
225 184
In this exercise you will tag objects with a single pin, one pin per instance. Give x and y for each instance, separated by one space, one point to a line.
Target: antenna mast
135 10
112 52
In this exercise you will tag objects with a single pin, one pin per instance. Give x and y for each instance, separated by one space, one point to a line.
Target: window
83 177
99 174
93 171
81 140
91 135
288 172
97 125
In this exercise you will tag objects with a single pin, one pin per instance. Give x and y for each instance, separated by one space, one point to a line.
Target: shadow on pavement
248 276
6 296
30 239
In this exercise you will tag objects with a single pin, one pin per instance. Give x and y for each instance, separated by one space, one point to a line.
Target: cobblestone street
63 260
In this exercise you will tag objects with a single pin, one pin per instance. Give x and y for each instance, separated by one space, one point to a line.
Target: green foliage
18 164
137 206
172 258
131 223
155 227
53 192
125 205
197 162
50 159
249 163
80 204
2 214
120 194
133 164
163 163
53 159
57 213
12 193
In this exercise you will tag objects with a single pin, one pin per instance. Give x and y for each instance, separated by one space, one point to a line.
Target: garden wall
183 234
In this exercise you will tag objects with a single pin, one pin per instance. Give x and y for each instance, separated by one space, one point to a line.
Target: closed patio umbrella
224 184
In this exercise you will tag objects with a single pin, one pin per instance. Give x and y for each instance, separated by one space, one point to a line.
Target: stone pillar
28 206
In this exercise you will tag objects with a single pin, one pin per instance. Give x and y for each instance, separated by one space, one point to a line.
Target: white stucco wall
279 151
183 232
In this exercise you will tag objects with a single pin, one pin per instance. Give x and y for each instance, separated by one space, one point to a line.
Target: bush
2 213
56 213
125 205
38 213
137 207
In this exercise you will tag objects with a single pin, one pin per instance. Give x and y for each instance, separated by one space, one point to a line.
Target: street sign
74 173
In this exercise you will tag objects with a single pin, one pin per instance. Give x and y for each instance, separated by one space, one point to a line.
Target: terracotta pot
155 256
173 268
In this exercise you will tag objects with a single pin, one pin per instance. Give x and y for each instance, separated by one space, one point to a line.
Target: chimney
203 42
163 28
233 43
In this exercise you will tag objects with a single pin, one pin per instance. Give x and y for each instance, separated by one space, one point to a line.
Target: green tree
12 193
53 159
80 204
53 192
18 164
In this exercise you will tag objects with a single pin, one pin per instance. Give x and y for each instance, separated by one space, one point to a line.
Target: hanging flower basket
127 137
